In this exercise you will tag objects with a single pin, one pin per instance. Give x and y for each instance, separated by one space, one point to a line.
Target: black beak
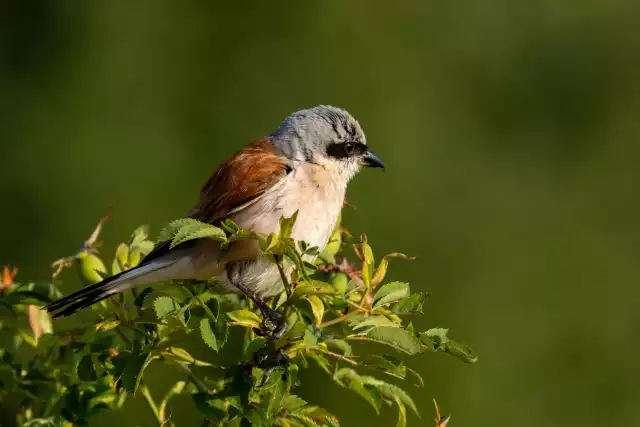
369 159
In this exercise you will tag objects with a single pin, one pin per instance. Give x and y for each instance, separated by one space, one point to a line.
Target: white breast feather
317 197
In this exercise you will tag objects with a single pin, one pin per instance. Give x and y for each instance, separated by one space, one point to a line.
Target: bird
303 166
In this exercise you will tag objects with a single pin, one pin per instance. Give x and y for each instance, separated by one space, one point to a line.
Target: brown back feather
243 177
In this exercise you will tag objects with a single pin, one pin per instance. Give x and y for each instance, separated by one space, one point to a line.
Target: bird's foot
269 362
274 325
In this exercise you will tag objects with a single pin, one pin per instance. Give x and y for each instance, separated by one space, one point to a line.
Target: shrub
336 308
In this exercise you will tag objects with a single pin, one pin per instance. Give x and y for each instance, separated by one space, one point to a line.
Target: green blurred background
509 130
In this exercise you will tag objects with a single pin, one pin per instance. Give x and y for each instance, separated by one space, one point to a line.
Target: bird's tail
158 269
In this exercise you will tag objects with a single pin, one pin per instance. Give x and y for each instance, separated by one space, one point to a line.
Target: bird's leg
274 325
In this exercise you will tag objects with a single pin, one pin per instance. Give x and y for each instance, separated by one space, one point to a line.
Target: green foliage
337 314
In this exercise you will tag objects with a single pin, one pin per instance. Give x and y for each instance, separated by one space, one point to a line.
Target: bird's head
326 136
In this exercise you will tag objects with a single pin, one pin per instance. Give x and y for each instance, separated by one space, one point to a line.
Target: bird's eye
349 148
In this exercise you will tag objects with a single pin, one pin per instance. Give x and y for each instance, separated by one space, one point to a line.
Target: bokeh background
510 131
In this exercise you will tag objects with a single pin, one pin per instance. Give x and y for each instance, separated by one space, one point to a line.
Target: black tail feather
83 298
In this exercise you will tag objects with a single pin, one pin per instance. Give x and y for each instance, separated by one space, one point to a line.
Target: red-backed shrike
303 166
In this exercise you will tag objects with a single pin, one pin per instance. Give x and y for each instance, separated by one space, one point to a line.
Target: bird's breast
310 190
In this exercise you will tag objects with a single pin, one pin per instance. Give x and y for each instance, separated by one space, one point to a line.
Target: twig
339 356
206 309
152 405
202 387
338 319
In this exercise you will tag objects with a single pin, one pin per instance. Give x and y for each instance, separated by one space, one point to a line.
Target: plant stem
202 387
206 309
123 337
285 282
340 356
338 319
152 405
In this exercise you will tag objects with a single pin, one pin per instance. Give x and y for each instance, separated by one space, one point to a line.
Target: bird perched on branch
304 165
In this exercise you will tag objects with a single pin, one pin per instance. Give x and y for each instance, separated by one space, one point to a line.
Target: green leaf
312 287
389 293
197 230
90 268
286 225
356 384
311 336
132 375
292 403
24 297
170 230
182 356
164 306
437 340
410 305
317 307
244 318
213 409
374 322
339 346
253 346
177 389
121 260
402 412
397 338
392 392
221 331
207 334
86 369
139 235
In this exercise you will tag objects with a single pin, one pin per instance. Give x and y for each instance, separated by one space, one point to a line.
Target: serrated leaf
387 364
402 412
390 391
357 385
411 304
390 293
274 398
197 230
164 306
244 318
221 331
437 340
317 307
169 231
374 322
397 338
206 332
292 403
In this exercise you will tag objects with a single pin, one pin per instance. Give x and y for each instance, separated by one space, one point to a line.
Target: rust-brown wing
245 176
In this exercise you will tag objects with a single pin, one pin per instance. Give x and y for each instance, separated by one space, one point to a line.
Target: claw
269 362
274 325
